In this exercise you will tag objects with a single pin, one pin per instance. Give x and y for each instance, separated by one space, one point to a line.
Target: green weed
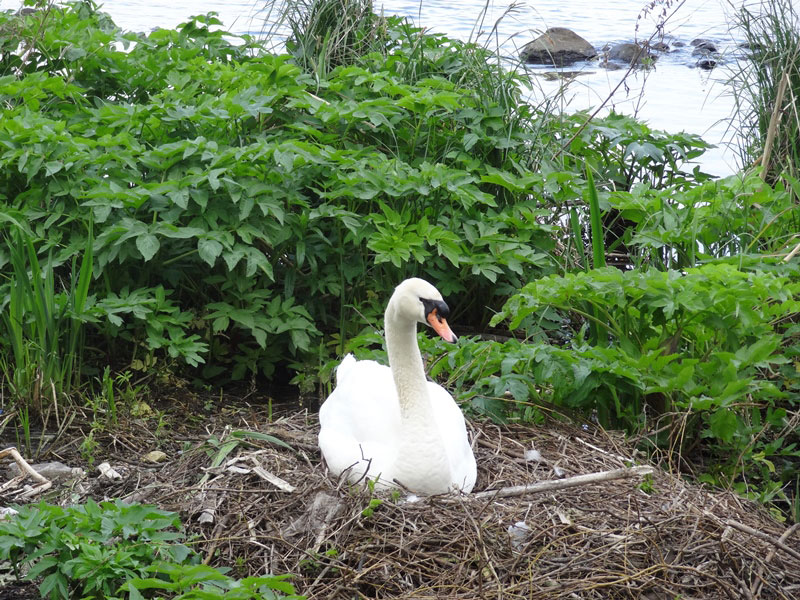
102 550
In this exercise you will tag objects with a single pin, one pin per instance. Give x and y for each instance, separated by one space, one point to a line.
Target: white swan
391 424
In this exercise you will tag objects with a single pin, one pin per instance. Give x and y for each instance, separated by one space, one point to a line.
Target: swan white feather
390 424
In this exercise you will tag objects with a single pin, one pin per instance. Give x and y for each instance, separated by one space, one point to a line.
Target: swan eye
439 308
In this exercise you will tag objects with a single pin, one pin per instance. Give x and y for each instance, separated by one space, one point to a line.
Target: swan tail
348 362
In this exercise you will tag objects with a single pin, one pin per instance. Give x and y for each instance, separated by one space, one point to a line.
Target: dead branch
760 534
560 484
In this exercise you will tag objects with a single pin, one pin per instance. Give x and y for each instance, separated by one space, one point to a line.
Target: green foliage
88 551
624 151
239 205
739 215
698 351
185 582
100 550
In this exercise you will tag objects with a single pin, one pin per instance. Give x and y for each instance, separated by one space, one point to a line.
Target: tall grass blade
44 328
598 246
577 238
597 336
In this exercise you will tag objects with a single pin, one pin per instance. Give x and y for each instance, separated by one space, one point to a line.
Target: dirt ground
266 508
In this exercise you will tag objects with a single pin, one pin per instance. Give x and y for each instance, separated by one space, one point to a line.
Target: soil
15 590
271 509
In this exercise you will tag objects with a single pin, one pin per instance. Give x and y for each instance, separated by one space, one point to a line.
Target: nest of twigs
270 509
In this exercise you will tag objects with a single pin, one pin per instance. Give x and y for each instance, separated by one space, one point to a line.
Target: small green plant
193 581
110 396
89 551
374 503
98 551
647 485
89 444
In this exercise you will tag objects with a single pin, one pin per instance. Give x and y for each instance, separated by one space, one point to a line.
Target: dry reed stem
772 129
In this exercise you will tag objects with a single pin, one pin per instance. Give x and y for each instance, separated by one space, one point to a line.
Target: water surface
674 96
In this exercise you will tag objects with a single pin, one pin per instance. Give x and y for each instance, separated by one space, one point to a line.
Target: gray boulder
706 53
706 63
703 46
631 53
558 46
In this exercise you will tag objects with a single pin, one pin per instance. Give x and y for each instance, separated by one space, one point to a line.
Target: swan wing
360 421
453 430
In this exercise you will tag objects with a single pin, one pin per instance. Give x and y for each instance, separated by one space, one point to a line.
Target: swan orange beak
441 327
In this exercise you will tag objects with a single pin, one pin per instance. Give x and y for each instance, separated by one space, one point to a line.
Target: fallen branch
773 125
758 583
23 464
25 469
560 484
766 537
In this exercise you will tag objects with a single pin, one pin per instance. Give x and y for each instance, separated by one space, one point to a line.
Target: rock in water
557 46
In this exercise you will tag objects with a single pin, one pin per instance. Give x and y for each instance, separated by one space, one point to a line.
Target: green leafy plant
739 215
698 350
184 582
101 550
88 550
374 504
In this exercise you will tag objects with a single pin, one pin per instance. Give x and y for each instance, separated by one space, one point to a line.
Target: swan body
390 424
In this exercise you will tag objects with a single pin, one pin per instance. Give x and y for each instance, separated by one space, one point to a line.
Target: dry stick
25 469
792 254
773 125
23 464
560 484
760 534
755 589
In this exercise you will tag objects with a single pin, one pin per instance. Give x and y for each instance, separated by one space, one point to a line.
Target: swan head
418 301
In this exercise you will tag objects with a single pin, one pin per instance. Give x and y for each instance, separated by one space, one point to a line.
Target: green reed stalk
598 337
44 327
598 247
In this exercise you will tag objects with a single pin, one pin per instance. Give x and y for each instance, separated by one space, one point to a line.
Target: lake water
674 96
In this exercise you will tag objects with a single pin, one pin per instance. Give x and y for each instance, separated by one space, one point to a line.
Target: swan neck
405 361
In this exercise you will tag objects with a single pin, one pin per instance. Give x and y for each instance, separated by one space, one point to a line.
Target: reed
766 86
324 34
44 328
